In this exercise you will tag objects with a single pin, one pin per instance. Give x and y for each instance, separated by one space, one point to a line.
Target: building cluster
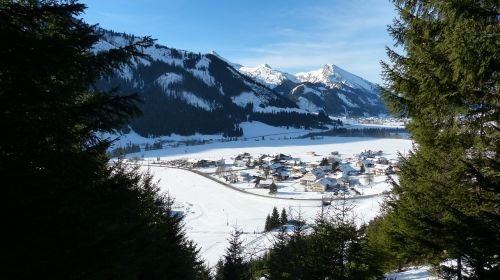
330 173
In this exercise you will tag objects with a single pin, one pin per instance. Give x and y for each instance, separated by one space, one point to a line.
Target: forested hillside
186 93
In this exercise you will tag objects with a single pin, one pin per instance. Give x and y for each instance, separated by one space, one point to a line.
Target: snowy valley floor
213 210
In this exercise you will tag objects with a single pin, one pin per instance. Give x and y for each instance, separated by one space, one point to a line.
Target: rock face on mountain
331 89
187 93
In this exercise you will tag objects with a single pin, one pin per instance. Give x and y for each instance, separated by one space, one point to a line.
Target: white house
322 184
265 183
308 179
268 159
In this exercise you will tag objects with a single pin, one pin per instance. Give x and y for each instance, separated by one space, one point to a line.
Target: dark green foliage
324 162
233 266
335 249
283 217
273 188
293 119
258 267
446 204
274 220
268 226
284 259
128 149
354 132
275 217
67 213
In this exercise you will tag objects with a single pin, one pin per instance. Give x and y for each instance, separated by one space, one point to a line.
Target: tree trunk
459 268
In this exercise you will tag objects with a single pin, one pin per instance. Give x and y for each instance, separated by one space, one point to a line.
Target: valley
213 210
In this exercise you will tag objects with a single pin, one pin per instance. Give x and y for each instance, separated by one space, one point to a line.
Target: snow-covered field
273 145
414 273
212 210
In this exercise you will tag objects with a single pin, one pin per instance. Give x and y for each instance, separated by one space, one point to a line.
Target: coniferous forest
70 213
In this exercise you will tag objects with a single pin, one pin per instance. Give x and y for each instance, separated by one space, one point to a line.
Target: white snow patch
204 76
311 90
196 101
249 97
203 63
307 105
125 72
347 101
413 273
101 46
163 54
167 79
246 97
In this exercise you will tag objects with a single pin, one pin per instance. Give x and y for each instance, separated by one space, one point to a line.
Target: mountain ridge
186 93
331 89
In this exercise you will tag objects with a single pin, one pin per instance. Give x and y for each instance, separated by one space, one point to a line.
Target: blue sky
289 35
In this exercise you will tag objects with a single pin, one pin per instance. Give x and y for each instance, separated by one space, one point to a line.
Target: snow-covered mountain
333 76
331 88
268 76
186 93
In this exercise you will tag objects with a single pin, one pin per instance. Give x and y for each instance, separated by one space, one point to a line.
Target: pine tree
69 213
446 204
324 162
273 188
234 267
284 217
279 257
275 218
336 249
268 226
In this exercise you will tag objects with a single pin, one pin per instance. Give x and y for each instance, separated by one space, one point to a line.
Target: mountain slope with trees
186 93
330 89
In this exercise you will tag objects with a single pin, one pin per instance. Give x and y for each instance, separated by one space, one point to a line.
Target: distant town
310 176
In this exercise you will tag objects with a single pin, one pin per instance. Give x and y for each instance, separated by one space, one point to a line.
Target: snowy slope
187 65
266 75
330 89
334 77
